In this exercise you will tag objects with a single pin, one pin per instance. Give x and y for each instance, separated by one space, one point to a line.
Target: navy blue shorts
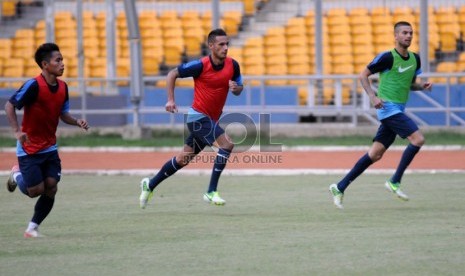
203 132
397 124
36 167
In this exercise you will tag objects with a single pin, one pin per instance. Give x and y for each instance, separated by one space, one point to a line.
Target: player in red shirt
214 76
45 101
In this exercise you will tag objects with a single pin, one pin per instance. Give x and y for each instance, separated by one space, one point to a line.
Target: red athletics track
427 159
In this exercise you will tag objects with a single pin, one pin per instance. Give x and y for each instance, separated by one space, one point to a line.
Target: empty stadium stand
351 38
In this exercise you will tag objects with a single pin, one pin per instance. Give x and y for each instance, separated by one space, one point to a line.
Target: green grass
269 226
170 139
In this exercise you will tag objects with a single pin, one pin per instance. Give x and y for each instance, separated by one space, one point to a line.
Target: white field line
251 149
248 172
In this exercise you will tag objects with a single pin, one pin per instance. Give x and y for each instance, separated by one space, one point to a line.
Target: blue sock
362 164
220 163
407 157
21 185
42 208
170 168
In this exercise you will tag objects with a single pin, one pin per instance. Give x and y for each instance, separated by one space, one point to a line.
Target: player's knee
419 141
51 191
229 147
182 160
35 191
376 156
226 144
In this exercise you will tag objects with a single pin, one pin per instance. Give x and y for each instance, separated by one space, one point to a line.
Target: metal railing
356 108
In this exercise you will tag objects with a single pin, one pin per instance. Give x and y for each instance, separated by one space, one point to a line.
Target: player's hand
376 102
427 86
21 137
232 85
235 88
171 107
82 124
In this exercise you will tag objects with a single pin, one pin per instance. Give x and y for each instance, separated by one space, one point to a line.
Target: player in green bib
397 70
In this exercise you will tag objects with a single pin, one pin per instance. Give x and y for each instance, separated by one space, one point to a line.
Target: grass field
270 226
170 139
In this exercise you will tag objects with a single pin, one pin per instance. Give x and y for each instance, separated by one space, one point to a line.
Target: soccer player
45 101
214 76
397 70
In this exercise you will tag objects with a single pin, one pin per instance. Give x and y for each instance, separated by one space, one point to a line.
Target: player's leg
383 139
51 171
12 183
381 142
191 148
30 179
173 165
405 128
218 138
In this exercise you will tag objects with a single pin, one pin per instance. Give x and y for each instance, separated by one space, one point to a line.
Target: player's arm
235 85
191 69
70 120
415 86
421 86
13 120
363 77
380 63
170 83
25 95
67 118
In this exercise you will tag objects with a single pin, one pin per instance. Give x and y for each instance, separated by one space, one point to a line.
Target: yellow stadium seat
363 20
235 53
298 69
150 23
342 58
23 43
360 11
193 46
6 47
8 8
32 71
190 15
339 29
249 7
172 56
382 20
342 68
460 66
338 20
187 82
206 18
151 66
336 12
231 21
26 53
402 10
24 33
169 15
302 91
448 41
254 69
13 68
445 67
404 17
144 14
461 57
380 11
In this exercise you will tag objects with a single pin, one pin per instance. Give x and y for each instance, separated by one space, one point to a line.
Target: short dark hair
44 52
214 33
400 24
